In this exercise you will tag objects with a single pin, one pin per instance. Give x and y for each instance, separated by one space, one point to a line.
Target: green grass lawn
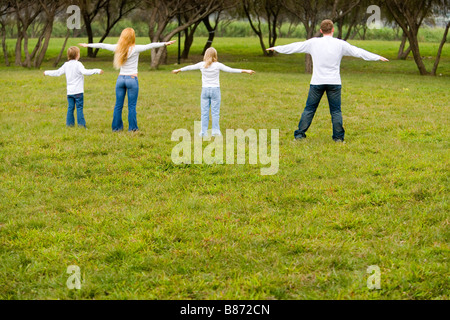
140 227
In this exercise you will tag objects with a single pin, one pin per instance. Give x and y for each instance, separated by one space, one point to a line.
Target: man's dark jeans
334 100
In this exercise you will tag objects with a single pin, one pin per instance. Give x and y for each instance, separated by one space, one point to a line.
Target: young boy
75 73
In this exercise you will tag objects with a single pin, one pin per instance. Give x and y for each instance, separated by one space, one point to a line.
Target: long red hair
126 41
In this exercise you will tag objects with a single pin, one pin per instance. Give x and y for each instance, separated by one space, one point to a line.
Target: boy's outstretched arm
55 73
89 72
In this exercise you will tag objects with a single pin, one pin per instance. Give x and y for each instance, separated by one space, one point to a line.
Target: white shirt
131 65
75 73
210 75
327 53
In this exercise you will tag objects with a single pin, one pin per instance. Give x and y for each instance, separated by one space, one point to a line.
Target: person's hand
101 72
270 49
383 59
248 71
84 45
176 71
44 73
170 42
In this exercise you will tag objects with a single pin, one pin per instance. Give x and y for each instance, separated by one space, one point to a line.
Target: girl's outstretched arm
196 66
248 71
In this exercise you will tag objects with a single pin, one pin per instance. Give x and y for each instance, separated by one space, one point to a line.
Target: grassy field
140 227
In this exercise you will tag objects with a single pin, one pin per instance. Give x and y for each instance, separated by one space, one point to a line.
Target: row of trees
264 17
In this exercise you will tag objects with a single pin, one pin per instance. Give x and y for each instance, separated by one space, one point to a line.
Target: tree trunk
27 62
47 35
18 50
414 44
308 58
58 59
308 63
188 40
402 53
158 56
211 34
90 35
438 56
4 47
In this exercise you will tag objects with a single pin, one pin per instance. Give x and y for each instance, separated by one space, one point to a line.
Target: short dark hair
326 26
72 53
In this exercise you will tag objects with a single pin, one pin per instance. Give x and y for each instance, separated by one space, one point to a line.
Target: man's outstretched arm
296 47
353 51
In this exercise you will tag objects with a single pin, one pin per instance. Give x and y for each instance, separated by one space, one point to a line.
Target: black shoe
299 138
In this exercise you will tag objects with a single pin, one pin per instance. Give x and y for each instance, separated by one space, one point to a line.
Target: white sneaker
216 133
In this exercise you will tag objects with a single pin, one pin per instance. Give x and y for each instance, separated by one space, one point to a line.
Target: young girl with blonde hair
210 97
126 58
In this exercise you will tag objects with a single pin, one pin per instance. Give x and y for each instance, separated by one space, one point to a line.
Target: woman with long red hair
126 58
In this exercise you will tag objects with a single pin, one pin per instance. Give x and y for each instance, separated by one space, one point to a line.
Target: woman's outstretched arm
110 47
145 47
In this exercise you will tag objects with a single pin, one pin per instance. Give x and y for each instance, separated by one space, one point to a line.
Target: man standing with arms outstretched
327 53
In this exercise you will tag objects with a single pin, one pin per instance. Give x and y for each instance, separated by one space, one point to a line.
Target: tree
89 10
211 29
50 8
162 12
114 11
311 12
268 10
25 13
5 10
409 15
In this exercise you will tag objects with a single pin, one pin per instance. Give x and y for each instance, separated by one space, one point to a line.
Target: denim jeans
75 100
124 84
334 101
210 98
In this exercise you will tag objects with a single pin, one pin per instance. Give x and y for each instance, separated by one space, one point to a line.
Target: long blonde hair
210 56
127 39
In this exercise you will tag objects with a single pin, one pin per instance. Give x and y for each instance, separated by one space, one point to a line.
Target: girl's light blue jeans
210 98
124 85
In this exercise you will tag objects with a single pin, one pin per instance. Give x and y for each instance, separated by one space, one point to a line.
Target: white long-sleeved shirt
75 72
327 53
131 65
210 75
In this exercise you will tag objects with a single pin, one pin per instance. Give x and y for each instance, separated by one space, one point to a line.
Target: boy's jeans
210 98
75 100
124 84
334 100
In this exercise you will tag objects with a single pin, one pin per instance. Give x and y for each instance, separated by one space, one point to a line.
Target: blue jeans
334 101
75 100
210 98
124 84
